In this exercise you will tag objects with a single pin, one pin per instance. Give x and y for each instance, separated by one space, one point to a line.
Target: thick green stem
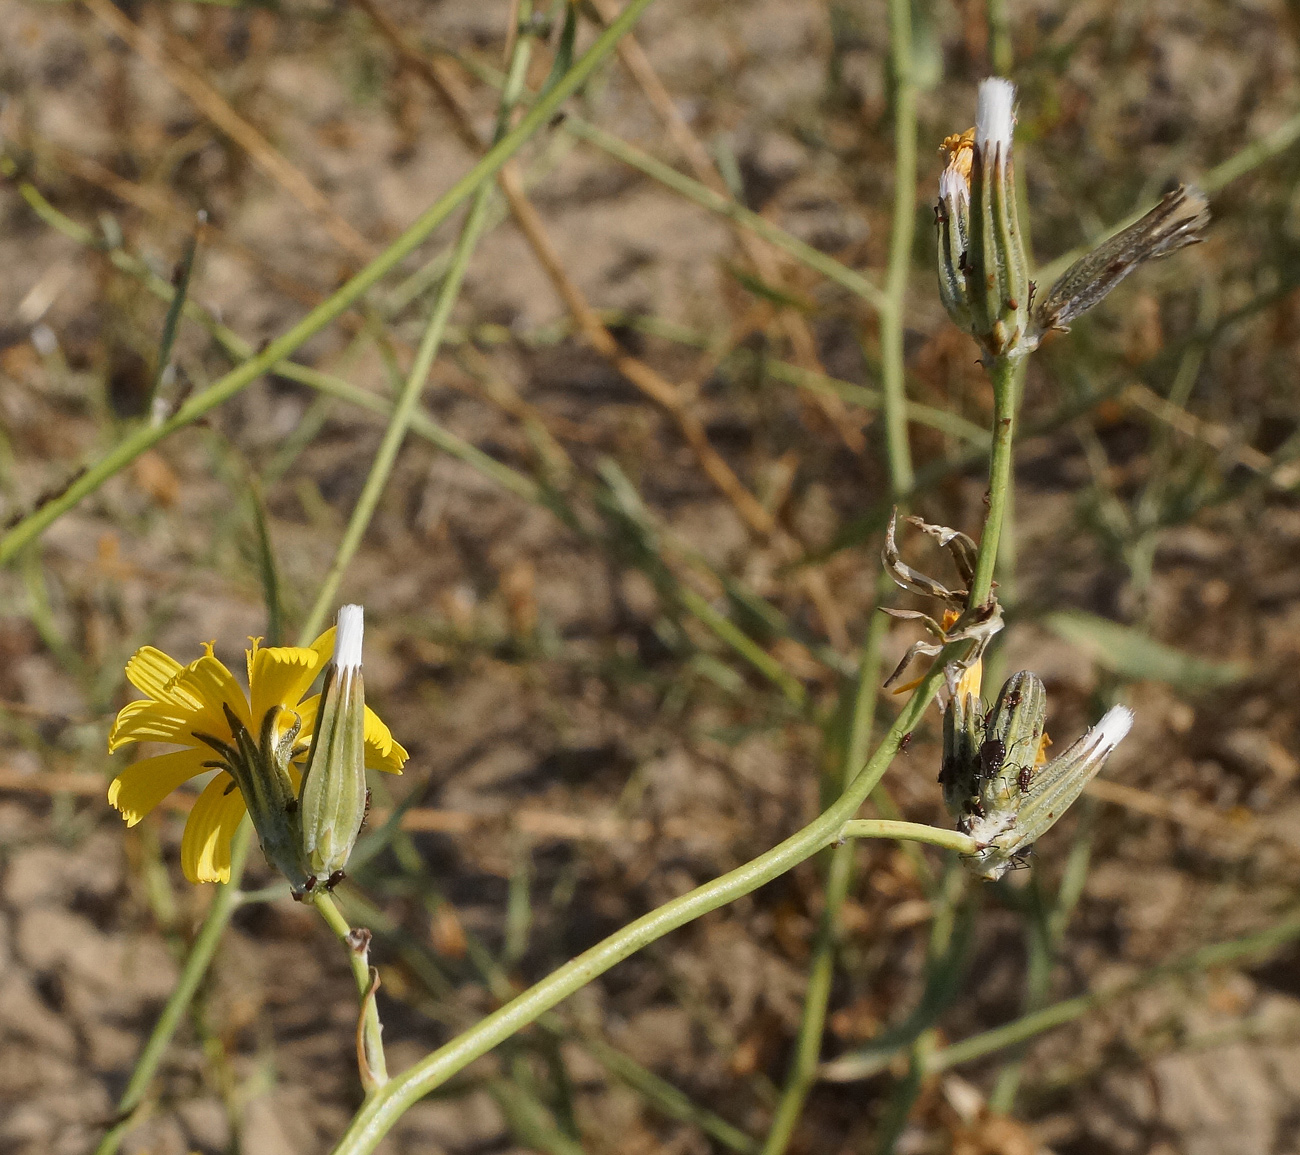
1006 375
910 832
386 1106
146 436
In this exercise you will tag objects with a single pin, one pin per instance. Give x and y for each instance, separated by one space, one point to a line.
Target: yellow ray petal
279 676
383 751
205 846
324 645
145 720
149 671
213 685
142 785
307 711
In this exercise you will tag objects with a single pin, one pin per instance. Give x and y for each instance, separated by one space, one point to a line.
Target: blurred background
619 582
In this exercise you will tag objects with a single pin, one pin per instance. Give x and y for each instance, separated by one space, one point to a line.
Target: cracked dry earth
528 666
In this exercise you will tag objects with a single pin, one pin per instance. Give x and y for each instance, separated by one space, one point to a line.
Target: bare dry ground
584 745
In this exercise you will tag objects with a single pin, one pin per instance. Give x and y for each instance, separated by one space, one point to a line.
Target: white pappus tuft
994 116
1110 731
953 187
347 639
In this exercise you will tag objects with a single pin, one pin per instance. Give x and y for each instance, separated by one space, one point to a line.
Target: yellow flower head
201 708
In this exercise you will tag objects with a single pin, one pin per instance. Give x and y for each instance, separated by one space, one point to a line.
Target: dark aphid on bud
1013 734
1018 800
1176 222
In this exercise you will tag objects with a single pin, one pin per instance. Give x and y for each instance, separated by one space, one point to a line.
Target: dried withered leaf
1177 221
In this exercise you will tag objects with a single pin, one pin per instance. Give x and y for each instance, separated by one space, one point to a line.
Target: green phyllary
334 783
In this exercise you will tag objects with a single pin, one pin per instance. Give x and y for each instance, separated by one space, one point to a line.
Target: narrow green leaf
1132 654
181 283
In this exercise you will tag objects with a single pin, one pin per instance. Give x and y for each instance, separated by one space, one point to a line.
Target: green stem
386 1106
358 961
382 1110
1006 375
403 410
900 247
909 831
1026 1027
224 904
146 436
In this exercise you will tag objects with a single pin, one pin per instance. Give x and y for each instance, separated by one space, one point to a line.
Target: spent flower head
997 780
983 272
983 267
255 739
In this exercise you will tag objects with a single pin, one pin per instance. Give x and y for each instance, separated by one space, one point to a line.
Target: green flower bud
996 268
334 783
963 734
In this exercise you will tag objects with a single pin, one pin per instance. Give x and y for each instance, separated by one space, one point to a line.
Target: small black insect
905 742
992 754
334 879
1020 860
1024 778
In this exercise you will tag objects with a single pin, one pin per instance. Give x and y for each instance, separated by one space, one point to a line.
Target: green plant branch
1006 375
910 832
1028 1026
146 436
361 973
387 1105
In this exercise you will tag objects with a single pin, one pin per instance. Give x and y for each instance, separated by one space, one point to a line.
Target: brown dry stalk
160 204
764 258
1198 429
214 106
650 382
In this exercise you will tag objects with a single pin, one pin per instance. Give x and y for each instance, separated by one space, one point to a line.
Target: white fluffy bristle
994 118
1115 723
347 641
953 187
